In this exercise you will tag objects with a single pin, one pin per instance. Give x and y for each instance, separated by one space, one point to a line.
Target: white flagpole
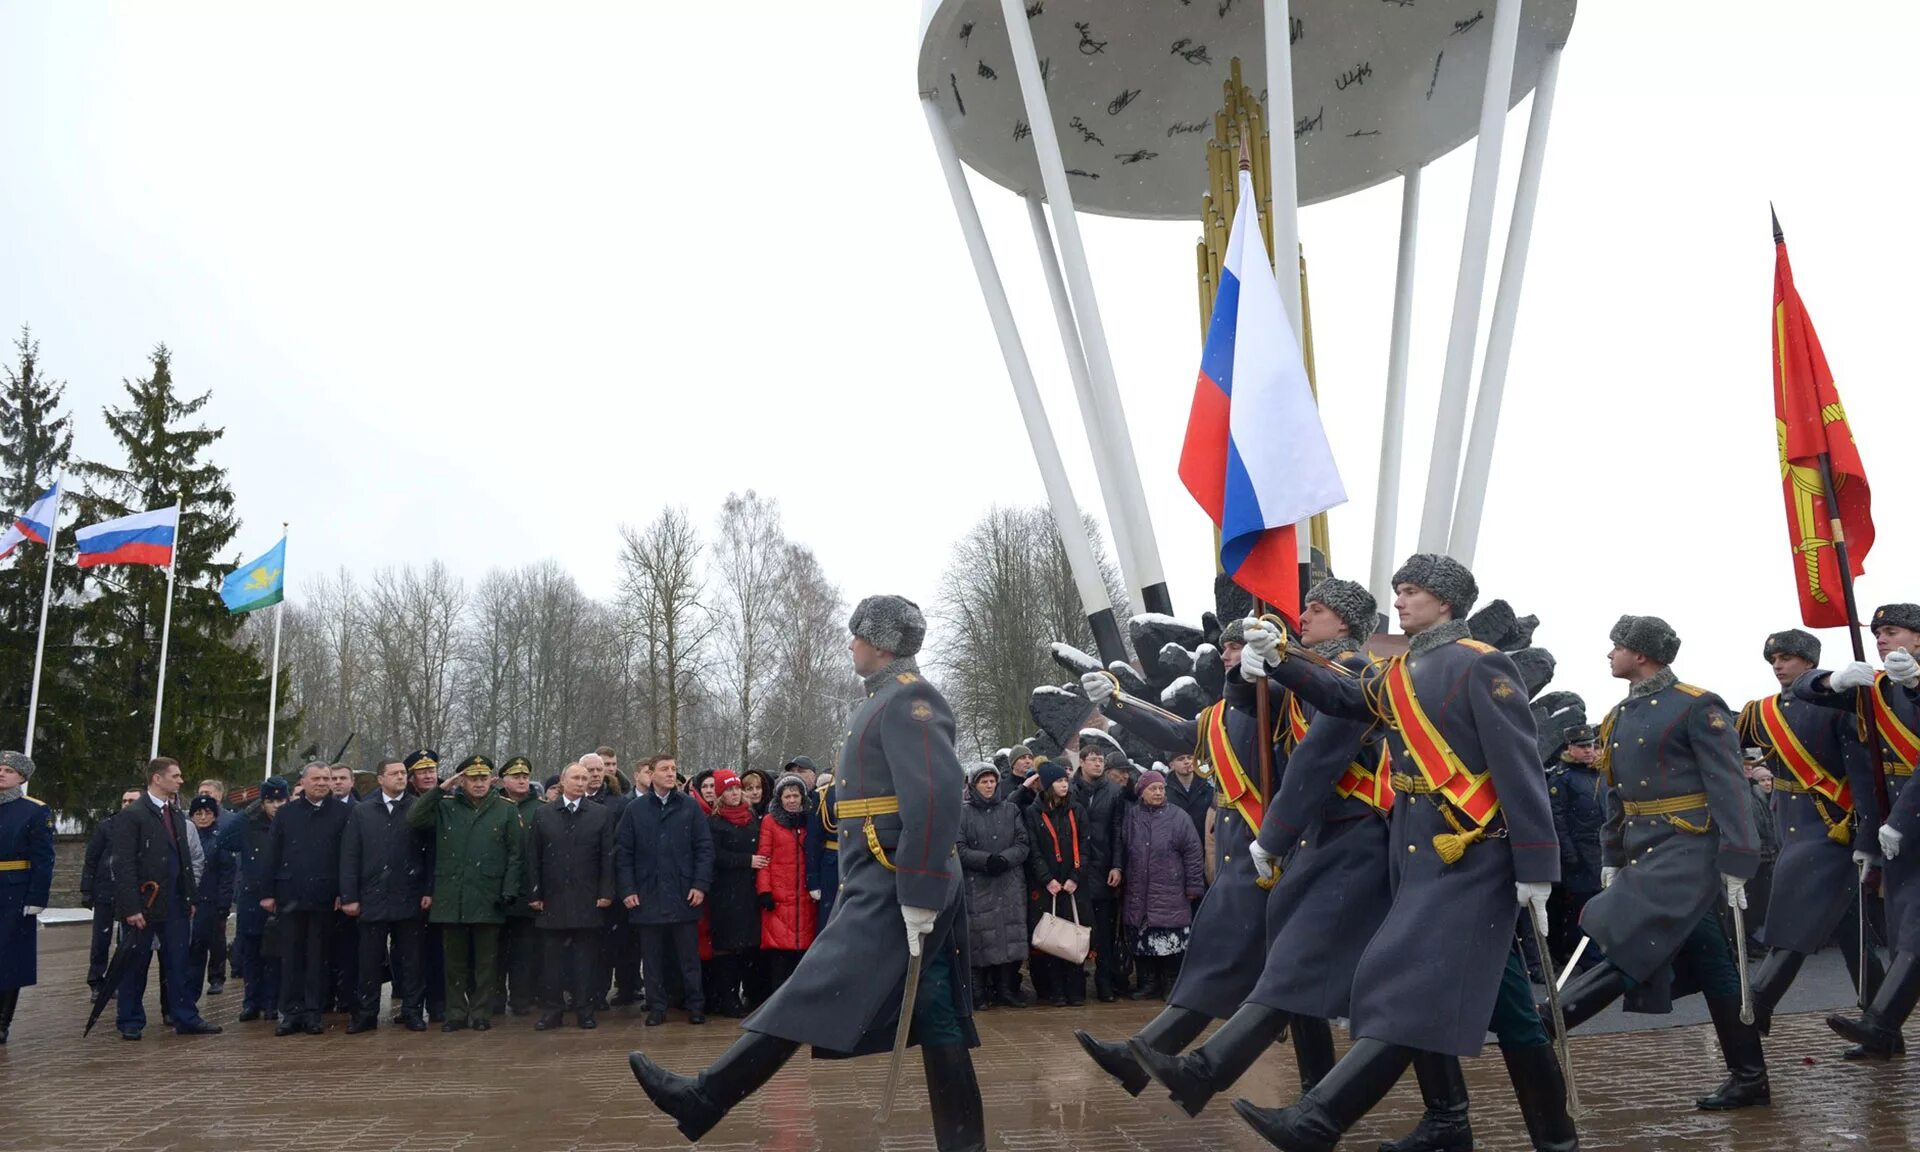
273 680
46 597
166 631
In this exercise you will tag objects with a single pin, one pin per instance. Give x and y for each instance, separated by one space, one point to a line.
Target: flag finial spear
1778 238
1246 158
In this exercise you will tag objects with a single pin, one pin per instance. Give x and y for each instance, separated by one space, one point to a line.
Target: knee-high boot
697 1103
1589 993
1444 1126
1542 1092
1746 1084
1171 1031
953 1095
9 1000
1193 1079
1312 1050
1877 1032
1358 1082
1771 982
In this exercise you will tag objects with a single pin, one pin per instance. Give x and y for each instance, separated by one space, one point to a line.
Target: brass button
1411 848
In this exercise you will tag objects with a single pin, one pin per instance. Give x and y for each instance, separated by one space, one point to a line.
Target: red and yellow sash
1238 790
1444 771
1296 720
1799 761
1901 739
1372 784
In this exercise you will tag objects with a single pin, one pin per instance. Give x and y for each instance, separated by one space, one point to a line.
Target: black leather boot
1444 1126
1362 1077
1771 982
1542 1093
1009 979
1746 1085
1193 1079
1312 1050
697 1103
953 1095
1587 995
9 1000
1171 1031
1875 1034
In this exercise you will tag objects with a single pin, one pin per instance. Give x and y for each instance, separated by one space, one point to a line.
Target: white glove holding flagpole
1856 674
1534 898
1264 638
1262 861
1253 666
1098 686
1736 890
919 923
1902 668
1606 877
1890 841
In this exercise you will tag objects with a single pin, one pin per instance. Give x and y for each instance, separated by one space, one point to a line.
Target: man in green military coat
477 874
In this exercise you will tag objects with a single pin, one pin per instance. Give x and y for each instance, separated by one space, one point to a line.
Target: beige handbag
1067 939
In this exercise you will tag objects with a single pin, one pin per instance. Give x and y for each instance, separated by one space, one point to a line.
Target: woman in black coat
733 907
1056 871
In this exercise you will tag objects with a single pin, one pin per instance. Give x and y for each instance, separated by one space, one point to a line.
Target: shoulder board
1479 646
907 678
1690 690
36 800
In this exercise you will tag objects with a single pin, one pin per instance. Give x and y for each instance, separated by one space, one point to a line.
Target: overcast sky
483 282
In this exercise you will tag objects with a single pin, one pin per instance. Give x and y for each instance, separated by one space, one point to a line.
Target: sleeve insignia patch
921 711
1716 720
1503 688
907 678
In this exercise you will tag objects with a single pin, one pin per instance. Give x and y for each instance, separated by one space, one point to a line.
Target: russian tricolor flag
142 538
1256 456
37 524
9 540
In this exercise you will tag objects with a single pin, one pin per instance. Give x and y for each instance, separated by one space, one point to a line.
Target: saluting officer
1823 803
899 784
1679 838
26 879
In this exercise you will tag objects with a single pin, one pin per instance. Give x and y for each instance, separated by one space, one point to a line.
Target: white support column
1145 577
1386 517
1285 190
1451 421
1506 309
1046 453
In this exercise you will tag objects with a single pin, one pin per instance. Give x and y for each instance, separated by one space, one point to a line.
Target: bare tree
747 560
661 590
414 617
808 661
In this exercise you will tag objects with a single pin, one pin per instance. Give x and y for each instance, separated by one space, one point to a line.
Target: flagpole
273 680
46 597
166 630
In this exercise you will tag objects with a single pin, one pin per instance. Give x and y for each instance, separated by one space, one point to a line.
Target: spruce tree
216 692
36 438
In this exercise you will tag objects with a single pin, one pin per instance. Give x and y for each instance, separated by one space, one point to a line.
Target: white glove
1253 666
814 895
1736 891
1098 686
1863 859
1262 861
1856 674
1606 876
919 925
1903 668
1889 841
32 910
1264 638
1534 896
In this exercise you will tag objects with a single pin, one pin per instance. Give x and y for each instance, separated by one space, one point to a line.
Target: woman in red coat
787 913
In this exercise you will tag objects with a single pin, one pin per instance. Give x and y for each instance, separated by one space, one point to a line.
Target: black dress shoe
249 1014
655 1018
483 1025
587 1020
216 987
316 1027
696 1018
548 1020
130 1034
361 1024
454 1026
415 1024
198 1028
287 1027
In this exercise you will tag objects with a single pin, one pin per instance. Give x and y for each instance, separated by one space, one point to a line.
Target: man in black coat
619 970
570 878
663 854
303 857
153 896
1579 813
96 891
1104 805
384 886
423 776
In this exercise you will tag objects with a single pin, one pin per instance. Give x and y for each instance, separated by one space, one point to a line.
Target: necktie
166 817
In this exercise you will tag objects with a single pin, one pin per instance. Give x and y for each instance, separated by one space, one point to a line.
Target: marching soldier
899 787
1679 837
1328 822
1890 702
26 878
1472 833
1823 802
1229 935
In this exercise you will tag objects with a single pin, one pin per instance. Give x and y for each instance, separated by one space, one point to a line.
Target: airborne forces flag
1811 427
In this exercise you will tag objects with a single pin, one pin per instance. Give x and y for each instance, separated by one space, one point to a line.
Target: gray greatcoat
844 998
1900 876
1334 890
1668 741
996 900
1814 879
1228 940
1428 978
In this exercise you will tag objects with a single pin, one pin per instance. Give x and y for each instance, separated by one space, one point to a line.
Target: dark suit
96 892
569 868
383 869
153 876
303 857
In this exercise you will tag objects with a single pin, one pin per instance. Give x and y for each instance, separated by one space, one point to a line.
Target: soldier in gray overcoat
1471 834
1229 934
1896 721
1828 819
899 785
1332 892
993 855
1679 838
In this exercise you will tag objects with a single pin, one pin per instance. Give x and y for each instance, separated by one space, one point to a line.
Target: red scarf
735 815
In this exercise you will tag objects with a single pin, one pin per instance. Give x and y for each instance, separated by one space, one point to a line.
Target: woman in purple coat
1161 859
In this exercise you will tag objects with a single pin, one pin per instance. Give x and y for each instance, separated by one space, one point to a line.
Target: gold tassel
1840 833
1453 845
1266 883
1689 826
